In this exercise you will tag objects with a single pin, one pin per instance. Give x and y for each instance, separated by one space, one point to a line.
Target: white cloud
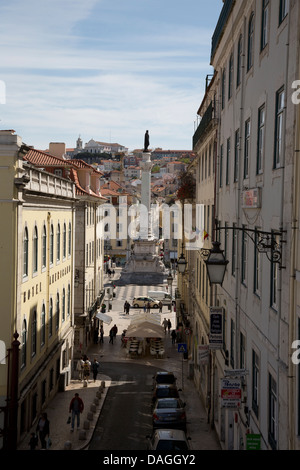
62 81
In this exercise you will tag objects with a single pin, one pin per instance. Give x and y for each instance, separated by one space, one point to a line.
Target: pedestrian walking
148 307
169 325
173 336
101 334
115 330
160 305
165 324
111 336
95 369
76 408
86 369
43 429
127 308
79 368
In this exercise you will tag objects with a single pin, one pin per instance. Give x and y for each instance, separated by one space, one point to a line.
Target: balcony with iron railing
208 118
223 18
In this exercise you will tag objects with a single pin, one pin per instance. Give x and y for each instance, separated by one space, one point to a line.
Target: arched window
43 326
239 61
58 243
63 315
44 247
70 239
65 241
35 249
24 344
250 42
33 333
57 311
69 301
51 244
50 317
25 253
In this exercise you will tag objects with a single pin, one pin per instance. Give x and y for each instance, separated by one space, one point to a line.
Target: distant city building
93 149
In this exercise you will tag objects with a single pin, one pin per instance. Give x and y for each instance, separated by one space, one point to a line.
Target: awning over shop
103 317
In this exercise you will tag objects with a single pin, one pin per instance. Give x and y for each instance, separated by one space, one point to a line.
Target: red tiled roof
44 160
40 158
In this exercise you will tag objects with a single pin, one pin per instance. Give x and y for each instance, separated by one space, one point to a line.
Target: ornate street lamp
170 283
215 263
181 264
170 279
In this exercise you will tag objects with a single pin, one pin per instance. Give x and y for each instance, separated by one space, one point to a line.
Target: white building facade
254 55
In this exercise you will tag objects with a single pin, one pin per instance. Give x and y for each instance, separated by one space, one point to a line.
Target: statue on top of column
146 141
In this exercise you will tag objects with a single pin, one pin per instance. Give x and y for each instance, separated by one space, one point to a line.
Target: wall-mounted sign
251 199
203 354
231 393
253 442
216 328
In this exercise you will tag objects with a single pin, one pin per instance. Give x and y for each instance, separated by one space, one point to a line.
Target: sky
106 70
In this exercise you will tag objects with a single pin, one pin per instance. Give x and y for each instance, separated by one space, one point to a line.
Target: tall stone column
145 220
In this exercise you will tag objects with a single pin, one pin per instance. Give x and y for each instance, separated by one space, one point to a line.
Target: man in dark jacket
76 407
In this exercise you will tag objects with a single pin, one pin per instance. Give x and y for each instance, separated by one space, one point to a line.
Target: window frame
25 252
279 127
35 250
247 147
260 139
251 36
264 39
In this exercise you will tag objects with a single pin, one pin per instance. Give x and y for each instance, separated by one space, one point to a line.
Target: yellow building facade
36 284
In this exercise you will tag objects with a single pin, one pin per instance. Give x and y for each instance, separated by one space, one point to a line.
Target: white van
160 295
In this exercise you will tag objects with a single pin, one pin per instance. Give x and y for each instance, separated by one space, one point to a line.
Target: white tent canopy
145 330
148 317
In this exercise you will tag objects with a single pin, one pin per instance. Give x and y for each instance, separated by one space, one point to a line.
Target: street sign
253 442
231 393
182 347
216 328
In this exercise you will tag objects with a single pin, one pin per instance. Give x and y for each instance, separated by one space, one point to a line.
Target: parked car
141 301
162 296
168 440
169 412
164 377
165 391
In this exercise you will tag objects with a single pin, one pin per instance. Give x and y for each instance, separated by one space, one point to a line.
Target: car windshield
168 404
171 445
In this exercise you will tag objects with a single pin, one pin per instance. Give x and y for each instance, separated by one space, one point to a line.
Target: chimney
58 149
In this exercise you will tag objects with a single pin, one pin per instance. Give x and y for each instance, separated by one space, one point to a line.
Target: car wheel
155 306
136 305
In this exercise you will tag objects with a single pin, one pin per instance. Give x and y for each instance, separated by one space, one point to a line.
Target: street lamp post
170 282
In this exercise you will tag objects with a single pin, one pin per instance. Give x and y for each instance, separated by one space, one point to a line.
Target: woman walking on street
43 429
